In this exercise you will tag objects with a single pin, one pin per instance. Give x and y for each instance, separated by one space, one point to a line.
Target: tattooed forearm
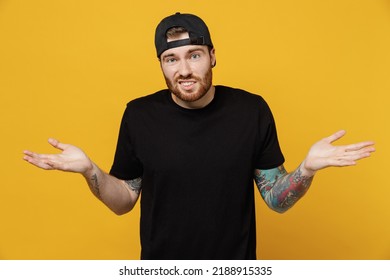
94 185
291 188
135 185
281 190
265 179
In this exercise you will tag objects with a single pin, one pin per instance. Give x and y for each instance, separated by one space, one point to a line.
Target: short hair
175 31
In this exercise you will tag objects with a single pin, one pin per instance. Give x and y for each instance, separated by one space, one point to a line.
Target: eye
195 56
170 60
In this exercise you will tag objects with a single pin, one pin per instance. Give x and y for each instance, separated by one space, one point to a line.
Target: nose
184 69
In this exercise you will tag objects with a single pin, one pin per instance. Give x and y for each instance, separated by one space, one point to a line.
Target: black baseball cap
197 30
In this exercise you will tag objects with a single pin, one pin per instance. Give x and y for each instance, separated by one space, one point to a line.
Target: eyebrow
188 52
167 55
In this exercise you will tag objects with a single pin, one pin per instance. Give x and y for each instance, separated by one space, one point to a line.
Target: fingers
44 161
335 136
367 145
324 154
359 150
57 144
348 158
342 163
36 156
355 157
40 161
47 162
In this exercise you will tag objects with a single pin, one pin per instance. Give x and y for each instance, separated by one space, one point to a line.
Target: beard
203 84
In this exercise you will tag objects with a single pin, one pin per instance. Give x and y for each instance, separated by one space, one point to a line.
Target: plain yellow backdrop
67 69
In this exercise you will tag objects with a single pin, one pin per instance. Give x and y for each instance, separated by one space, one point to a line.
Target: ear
213 59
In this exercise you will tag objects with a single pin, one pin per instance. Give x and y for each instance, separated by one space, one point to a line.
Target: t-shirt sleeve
269 154
126 165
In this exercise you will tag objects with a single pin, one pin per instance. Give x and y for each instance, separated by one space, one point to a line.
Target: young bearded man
194 150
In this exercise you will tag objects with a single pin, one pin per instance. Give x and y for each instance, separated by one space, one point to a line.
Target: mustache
187 77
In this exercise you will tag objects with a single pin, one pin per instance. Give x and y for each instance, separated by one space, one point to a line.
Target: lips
187 85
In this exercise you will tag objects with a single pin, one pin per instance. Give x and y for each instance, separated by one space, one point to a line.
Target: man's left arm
281 190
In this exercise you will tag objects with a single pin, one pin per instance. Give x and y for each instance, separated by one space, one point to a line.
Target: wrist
306 171
89 170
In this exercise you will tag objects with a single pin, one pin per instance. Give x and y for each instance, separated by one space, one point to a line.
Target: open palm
71 159
323 154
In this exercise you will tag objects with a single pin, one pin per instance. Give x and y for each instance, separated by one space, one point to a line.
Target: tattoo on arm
95 186
135 185
281 190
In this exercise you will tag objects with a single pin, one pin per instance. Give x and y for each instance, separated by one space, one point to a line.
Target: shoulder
148 100
240 97
151 104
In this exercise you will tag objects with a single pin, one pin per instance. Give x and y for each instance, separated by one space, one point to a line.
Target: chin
189 97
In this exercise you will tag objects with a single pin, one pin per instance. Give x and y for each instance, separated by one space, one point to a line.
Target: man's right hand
119 195
72 159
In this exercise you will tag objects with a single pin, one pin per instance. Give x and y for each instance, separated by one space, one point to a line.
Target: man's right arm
118 195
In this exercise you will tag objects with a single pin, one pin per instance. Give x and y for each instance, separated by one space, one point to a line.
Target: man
194 150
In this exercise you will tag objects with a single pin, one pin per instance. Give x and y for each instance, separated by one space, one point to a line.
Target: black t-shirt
197 168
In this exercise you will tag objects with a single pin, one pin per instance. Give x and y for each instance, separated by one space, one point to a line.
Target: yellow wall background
67 69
